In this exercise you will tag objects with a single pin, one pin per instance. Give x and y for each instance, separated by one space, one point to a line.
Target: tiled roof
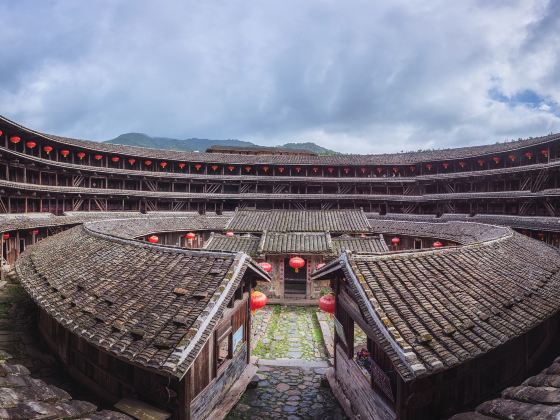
369 244
237 243
151 305
292 242
435 309
386 159
538 397
299 221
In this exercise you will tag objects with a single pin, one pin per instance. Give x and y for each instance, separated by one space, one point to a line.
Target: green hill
192 144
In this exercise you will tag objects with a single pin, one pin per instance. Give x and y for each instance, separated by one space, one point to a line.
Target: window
223 348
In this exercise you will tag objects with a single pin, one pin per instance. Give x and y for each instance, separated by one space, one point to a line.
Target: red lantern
153 239
147 162
31 144
496 159
231 168
182 165
230 233
65 153
281 169
258 300
48 149
319 266
346 170
480 162
115 159
528 155
81 155
247 169
6 236
544 152
1 132
429 166
396 240
512 158
437 244
98 157
395 169
35 232
296 263
379 169
197 166
15 139
298 169
131 161
445 165
462 163
315 169
190 236
265 169
412 168
331 170
214 167
327 303
163 164
266 266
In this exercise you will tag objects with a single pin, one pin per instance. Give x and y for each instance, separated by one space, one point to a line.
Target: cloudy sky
355 76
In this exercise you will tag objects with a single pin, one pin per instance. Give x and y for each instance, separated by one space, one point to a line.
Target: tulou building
142 265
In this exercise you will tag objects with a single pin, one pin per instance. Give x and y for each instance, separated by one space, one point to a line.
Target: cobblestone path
288 336
289 333
288 393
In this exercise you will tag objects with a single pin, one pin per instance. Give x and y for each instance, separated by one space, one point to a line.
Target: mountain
192 144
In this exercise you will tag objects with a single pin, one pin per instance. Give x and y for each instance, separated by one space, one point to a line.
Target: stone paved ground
291 333
288 334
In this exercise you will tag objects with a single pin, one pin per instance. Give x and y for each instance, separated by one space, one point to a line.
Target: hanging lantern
281 169
379 169
153 239
147 162
315 169
5 236
230 233
214 167
265 169
363 170
528 155
48 149
182 165
197 166
429 166
496 159
544 152
266 266
396 241
346 170
298 169
81 155
1 132
190 236
115 159
462 163
512 158
258 300
31 144
131 161
15 139
98 157
65 153
231 168
445 165
247 169
327 303
412 168
296 263
480 162
34 232
395 169
437 244
163 164
319 266
330 169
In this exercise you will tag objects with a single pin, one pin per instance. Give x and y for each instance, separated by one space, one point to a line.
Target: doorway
295 284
